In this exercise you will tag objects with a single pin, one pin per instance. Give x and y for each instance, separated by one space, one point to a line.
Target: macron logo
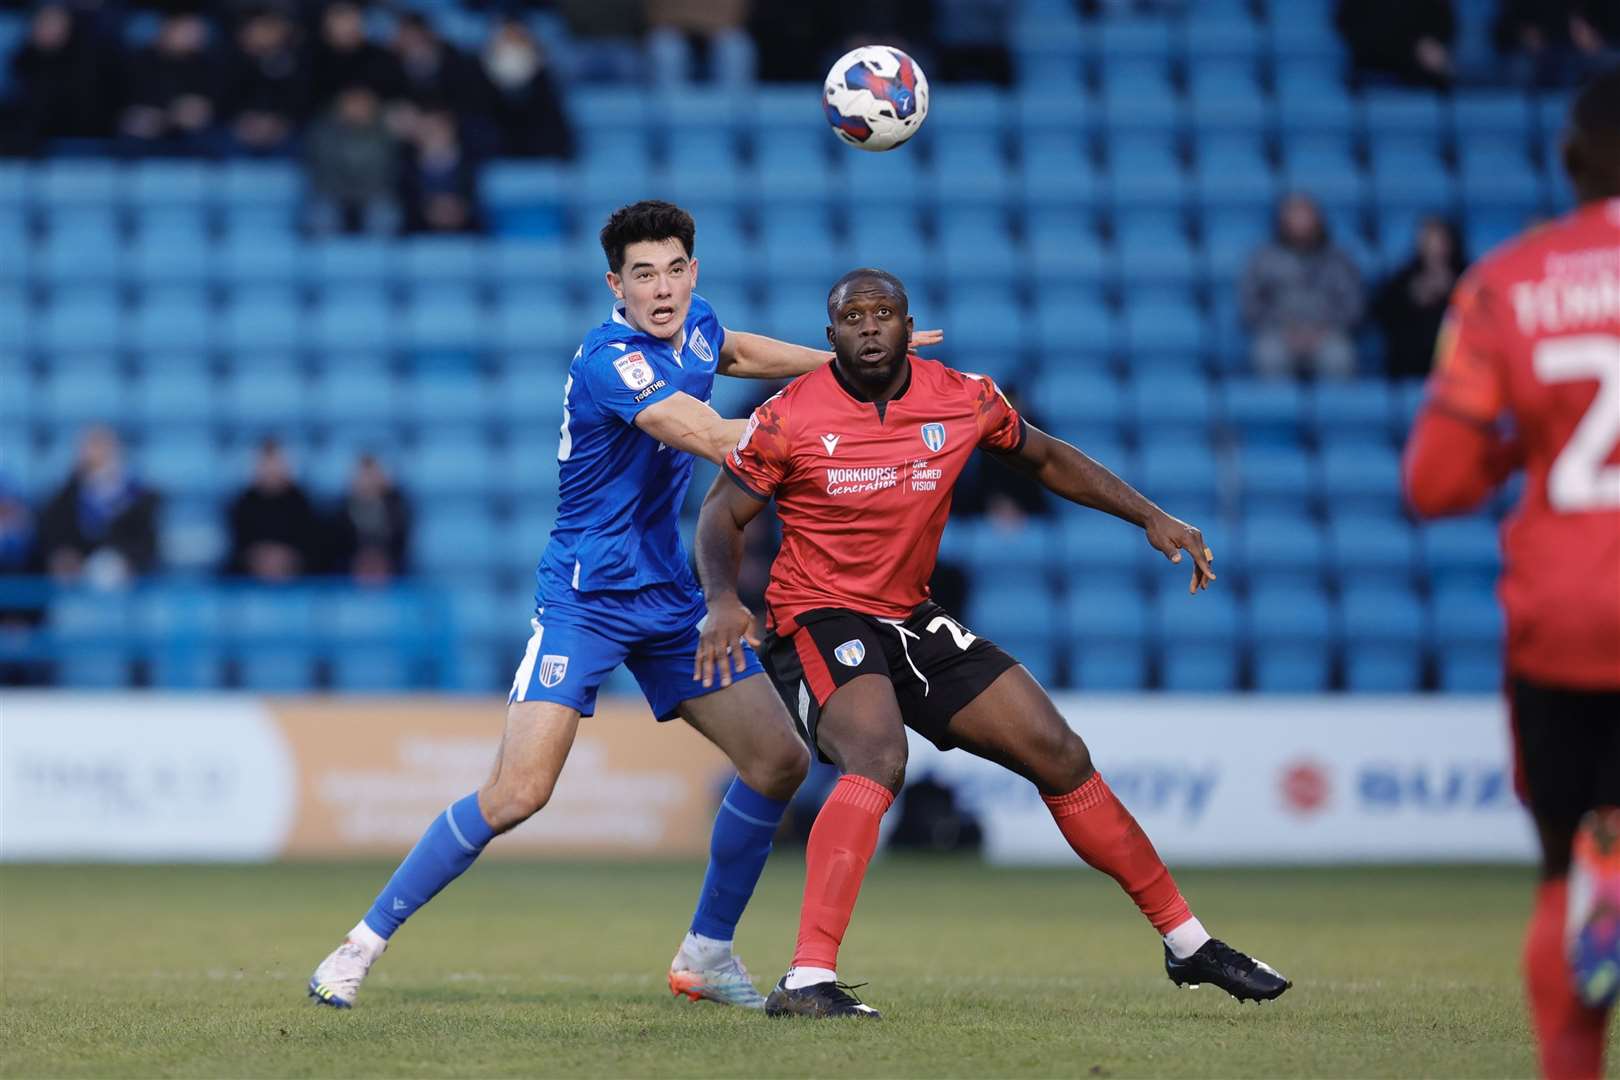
400 905
830 442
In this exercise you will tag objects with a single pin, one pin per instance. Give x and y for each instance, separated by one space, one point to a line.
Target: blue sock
737 850
448 847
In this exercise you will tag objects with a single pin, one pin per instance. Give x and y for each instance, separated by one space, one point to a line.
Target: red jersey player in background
1533 340
861 456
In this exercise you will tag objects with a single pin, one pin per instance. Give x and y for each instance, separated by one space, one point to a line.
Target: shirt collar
675 346
849 389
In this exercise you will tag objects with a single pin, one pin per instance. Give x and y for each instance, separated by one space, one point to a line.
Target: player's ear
692 267
832 340
615 283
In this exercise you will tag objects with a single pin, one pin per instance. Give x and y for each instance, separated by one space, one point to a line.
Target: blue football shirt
620 490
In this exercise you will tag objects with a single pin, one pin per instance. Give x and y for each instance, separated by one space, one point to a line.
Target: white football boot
726 982
337 980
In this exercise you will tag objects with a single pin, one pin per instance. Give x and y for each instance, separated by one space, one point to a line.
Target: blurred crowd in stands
100 528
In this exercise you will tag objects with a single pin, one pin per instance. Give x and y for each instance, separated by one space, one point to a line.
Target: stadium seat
1264 411
1371 549
1323 165
175 319
262 259
1361 408
450 398
979 250
83 320
1225 95
1057 171
263 318
1101 550
183 462
1232 236
451 461
1490 114
1080 404
1180 473
1292 631
1311 98
1383 628
993 320
429 261
1165 331
456 539
1073 253
1415 116
440 319
1164 402
536 319
1408 175
1361 477
1280 549
1233 173
1138 96
969 170
260 183
163 399
1468 636
263 401
1106 626
1146 172
1198 639
1461 552
1498 173
1074 328
353 317
1023 619
1276 479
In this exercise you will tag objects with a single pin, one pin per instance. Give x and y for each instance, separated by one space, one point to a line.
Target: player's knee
881 762
1070 764
778 772
509 803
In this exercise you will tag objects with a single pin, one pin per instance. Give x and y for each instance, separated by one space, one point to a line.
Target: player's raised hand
1172 536
720 646
921 339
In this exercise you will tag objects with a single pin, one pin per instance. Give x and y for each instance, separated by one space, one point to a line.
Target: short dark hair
865 273
1592 149
650 219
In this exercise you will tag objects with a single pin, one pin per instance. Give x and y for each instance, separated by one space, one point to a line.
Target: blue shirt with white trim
620 490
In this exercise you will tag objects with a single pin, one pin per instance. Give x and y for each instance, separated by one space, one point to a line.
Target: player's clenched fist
1171 536
720 645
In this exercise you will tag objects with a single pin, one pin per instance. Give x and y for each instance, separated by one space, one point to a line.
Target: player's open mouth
662 314
873 354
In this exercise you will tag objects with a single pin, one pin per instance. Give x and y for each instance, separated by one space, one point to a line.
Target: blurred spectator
526 108
101 526
275 536
440 190
1558 42
344 57
171 89
1005 496
267 82
435 75
1301 297
679 29
372 528
1408 40
604 38
353 163
800 41
1411 304
60 82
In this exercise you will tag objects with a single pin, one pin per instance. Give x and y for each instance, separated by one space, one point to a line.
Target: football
876 97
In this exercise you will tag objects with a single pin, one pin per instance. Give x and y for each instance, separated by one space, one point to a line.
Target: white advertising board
1273 780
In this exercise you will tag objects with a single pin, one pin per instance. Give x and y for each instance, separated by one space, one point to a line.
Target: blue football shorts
580 638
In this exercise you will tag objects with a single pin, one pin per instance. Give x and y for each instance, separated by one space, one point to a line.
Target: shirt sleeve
759 462
1468 380
1001 429
624 383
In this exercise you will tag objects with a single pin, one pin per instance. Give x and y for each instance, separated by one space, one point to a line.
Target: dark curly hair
650 219
1592 145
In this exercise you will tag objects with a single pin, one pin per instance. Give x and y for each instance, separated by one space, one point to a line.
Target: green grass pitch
557 970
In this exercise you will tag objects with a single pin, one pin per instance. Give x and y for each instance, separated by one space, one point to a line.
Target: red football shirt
1533 335
862 491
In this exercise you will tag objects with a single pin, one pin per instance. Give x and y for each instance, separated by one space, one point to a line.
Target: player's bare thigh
861 730
749 723
1015 724
533 748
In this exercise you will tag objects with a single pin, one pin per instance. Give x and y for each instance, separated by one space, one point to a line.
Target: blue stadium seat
1232 236
16 323
1362 477
451 461
969 170
181 626
352 261
1141 43
1164 402
1292 631
456 539
1138 96
1075 253
1383 628
1264 411
260 400
83 320
1233 173
537 319
1180 472
1361 407
1491 114
897 243
1371 549
1021 619
78 181
1058 171
451 397
1165 331
1145 171
78 252
1101 550
1080 328
979 251
1324 166
1415 115
1461 552
528 262
991 546
263 318
92 630
443 319
526 198
1106 626
1226 96
1198 639
1468 635
1154 250
1080 403
1499 173
260 183
354 317
993 319
262 258
182 461
1406 175
176 319
438 260
1489 227
75 395
1280 549
799 246
156 182
1311 98
1276 479
1222 31
168 398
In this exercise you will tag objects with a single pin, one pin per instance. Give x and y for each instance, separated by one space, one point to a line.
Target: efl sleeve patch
634 370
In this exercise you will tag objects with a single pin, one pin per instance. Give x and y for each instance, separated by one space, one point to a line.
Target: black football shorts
1568 747
936 665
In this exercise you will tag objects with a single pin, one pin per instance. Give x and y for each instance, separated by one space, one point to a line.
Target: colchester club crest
933 437
851 652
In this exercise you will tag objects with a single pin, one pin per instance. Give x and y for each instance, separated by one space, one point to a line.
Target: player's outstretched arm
684 422
1064 470
755 356
727 510
1453 464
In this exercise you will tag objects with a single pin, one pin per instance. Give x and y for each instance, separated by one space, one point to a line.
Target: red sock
1102 832
841 844
1569 1035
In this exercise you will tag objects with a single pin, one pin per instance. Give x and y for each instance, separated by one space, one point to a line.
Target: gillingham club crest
933 437
552 669
851 652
